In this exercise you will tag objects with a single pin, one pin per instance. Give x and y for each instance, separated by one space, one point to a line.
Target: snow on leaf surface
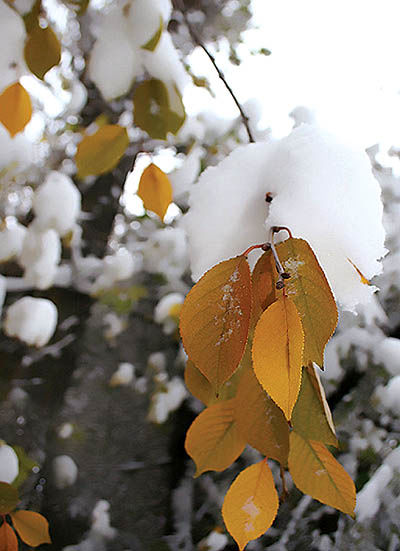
101 152
215 318
317 473
213 441
15 108
278 353
251 504
31 527
155 190
310 291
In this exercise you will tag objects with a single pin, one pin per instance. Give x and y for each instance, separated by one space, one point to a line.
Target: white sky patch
339 59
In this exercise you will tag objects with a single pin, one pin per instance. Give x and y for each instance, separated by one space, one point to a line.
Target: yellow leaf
8 498
8 539
155 190
31 527
201 388
311 416
260 421
310 291
215 318
317 473
15 108
151 45
158 110
251 504
362 276
263 284
42 50
101 152
213 441
277 353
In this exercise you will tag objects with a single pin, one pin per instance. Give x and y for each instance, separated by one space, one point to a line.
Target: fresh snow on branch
322 190
32 320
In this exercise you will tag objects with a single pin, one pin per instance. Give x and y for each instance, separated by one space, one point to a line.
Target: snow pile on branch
9 464
11 240
322 190
32 320
57 203
131 40
12 42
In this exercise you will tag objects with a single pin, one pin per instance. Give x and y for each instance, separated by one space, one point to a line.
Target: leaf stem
197 40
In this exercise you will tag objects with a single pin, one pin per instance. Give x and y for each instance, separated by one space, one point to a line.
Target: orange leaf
8 498
155 190
251 504
215 318
8 539
213 441
260 421
362 276
202 389
310 291
311 416
101 152
263 284
42 50
15 108
277 353
317 473
31 527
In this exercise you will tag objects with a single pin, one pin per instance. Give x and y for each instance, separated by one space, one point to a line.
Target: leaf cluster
252 344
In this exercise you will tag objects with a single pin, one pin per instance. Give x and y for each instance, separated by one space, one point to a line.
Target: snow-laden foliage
323 191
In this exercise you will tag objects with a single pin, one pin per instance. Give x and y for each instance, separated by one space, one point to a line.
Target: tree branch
197 40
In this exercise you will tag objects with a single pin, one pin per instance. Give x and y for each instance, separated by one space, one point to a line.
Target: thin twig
197 39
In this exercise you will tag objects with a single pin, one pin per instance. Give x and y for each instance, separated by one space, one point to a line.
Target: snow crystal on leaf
322 190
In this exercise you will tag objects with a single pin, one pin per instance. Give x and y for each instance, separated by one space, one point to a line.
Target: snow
9 464
145 17
369 498
215 541
124 375
100 530
389 395
11 239
116 267
167 311
32 320
387 352
66 430
166 252
12 40
40 256
167 400
183 178
57 203
65 471
17 150
114 62
322 190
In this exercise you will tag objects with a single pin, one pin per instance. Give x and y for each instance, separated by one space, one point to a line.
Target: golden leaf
260 421
8 539
310 291
277 353
251 504
31 527
263 284
8 498
311 416
42 50
155 190
317 473
213 441
215 319
15 108
101 152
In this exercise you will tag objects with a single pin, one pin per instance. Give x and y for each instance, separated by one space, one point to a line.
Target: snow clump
65 471
57 204
9 464
40 256
12 237
12 43
32 320
167 311
322 190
